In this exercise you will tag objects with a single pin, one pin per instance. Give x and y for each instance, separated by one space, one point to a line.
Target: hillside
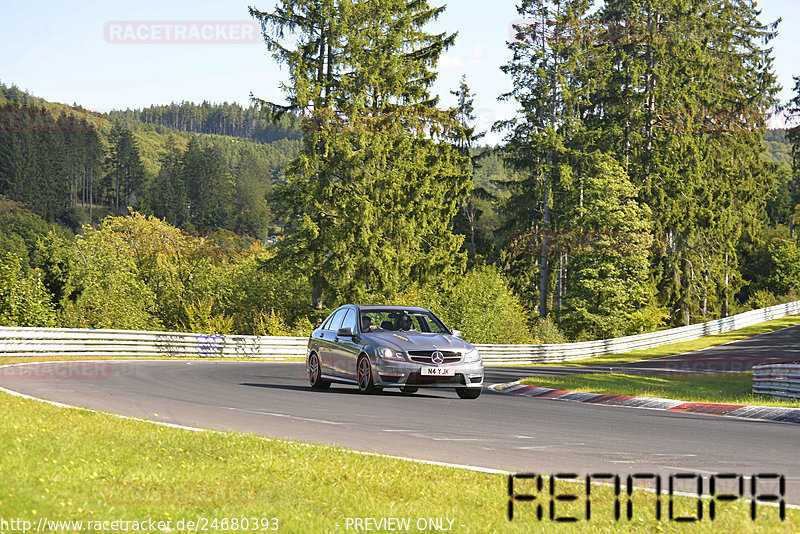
776 148
73 166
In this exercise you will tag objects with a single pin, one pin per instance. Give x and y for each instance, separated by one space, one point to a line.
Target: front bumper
399 374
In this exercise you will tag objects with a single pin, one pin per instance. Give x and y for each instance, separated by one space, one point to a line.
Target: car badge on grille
437 357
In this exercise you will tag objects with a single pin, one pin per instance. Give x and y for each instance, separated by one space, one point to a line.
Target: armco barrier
16 341
83 342
586 349
777 379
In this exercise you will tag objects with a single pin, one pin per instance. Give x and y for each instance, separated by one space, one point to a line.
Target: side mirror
456 333
345 332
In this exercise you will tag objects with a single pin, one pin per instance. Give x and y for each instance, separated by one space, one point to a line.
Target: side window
336 320
327 321
350 321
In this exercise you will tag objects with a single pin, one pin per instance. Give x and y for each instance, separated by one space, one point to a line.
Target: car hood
405 341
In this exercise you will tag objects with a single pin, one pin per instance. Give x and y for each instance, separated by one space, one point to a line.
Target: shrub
480 304
24 301
547 331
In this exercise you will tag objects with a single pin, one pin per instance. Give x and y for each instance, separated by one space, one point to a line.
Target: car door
345 348
325 340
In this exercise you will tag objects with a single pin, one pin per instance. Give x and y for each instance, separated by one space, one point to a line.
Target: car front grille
424 356
416 378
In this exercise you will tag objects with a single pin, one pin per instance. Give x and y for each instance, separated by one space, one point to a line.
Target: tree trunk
543 258
792 203
725 295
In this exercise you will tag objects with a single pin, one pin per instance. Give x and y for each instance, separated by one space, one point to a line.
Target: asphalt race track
497 430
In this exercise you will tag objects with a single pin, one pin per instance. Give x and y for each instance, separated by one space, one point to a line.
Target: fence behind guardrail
777 379
68 342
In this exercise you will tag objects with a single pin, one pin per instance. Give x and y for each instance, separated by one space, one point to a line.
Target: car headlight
472 356
388 354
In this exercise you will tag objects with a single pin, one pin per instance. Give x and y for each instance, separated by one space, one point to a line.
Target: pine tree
168 196
374 190
689 88
124 169
553 72
793 136
465 139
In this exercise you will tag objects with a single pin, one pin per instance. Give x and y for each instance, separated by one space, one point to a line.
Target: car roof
391 308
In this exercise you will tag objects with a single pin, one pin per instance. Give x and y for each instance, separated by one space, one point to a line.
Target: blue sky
57 50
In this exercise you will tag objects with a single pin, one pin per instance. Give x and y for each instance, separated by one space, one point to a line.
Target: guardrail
578 351
18 341
777 379
80 342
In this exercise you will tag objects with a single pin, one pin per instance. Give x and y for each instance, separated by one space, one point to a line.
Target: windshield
400 320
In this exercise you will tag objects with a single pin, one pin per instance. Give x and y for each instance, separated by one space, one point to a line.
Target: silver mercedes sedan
406 347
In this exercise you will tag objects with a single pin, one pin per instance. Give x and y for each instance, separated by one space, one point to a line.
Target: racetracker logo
181 32
98 370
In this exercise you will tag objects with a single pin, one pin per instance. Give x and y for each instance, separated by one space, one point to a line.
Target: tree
24 301
124 169
374 191
610 291
793 136
168 192
689 89
553 69
465 139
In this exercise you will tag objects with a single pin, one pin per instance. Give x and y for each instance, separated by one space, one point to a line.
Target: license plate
437 371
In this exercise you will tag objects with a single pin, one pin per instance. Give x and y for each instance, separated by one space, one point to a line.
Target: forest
628 195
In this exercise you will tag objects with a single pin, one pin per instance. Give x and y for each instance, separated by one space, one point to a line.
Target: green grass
67 464
685 346
722 388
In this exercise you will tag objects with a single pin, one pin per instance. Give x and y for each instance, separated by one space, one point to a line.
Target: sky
90 52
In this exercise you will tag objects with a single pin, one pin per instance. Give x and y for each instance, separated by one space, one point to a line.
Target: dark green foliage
373 193
779 205
57 259
124 179
777 148
217 119
677 94
48 162
20 229
641 189
609 292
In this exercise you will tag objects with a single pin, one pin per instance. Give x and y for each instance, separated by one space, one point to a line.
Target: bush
111 292
761 299
480 304
24 301
547 331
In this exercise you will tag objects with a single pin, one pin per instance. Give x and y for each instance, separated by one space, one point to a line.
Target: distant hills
245 140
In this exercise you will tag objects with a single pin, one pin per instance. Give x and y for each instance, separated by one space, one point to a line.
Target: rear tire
314 369
364 376
469 393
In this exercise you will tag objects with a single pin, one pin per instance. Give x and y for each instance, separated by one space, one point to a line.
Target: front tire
409 389
469 393
364 375
314 369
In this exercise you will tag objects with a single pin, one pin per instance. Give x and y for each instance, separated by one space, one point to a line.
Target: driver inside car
404 323
366 324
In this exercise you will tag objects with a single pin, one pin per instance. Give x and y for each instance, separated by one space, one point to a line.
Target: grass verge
684 346
59 464
722 388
